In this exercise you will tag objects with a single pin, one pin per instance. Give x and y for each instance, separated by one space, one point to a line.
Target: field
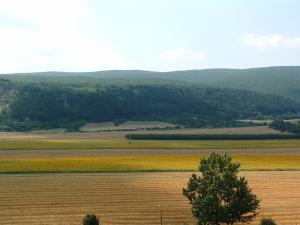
88 152
70 155
154 162
140 144
129 198
115 177
119 135
268 121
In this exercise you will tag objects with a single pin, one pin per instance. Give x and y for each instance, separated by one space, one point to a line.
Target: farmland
129 198
122 144
140 163
107 152
120 135
124 181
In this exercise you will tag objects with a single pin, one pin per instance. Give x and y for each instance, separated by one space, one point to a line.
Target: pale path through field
129 198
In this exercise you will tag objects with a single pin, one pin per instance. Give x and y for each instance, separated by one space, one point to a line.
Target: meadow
130 198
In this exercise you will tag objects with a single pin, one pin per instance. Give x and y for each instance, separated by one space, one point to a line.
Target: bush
267 221
90 220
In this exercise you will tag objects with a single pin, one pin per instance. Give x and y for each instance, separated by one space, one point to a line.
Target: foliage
62 99
90 220
192 107
285 126
219 195
5 83
210 136
267 221
283 80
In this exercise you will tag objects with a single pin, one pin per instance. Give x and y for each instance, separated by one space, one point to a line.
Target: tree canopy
219 195
60 102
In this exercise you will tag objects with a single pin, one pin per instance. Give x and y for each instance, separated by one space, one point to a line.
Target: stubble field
130 198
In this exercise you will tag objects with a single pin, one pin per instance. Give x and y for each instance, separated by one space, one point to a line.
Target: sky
157 35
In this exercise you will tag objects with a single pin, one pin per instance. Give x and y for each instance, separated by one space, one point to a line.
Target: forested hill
284 81
47 105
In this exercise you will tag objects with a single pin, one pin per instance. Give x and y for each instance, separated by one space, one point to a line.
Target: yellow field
140 144
130 198
142 163
84 155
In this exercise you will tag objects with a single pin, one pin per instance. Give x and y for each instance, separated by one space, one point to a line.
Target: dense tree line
142 102
286 126
210 136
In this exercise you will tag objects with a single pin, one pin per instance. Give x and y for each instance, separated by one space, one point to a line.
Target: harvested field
129 198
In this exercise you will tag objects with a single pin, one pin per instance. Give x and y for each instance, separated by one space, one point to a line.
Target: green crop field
123 144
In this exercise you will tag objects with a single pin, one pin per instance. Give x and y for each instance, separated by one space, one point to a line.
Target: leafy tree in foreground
219 195
90 220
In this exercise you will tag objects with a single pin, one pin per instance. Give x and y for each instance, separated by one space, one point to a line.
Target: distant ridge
279 80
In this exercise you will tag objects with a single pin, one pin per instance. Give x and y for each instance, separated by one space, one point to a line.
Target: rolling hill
193 98
284 81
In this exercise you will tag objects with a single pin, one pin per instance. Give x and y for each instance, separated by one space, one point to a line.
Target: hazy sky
163 35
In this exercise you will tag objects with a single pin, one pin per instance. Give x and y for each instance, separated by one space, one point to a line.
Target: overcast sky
162 35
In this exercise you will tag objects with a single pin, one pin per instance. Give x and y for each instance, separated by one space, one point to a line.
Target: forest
43 105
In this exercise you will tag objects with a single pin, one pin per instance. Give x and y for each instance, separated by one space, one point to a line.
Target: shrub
267 221
90 220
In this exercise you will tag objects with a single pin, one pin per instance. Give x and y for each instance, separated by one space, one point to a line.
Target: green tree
219 195
90 220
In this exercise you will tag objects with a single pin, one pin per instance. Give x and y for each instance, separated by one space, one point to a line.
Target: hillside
51 105
284 81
